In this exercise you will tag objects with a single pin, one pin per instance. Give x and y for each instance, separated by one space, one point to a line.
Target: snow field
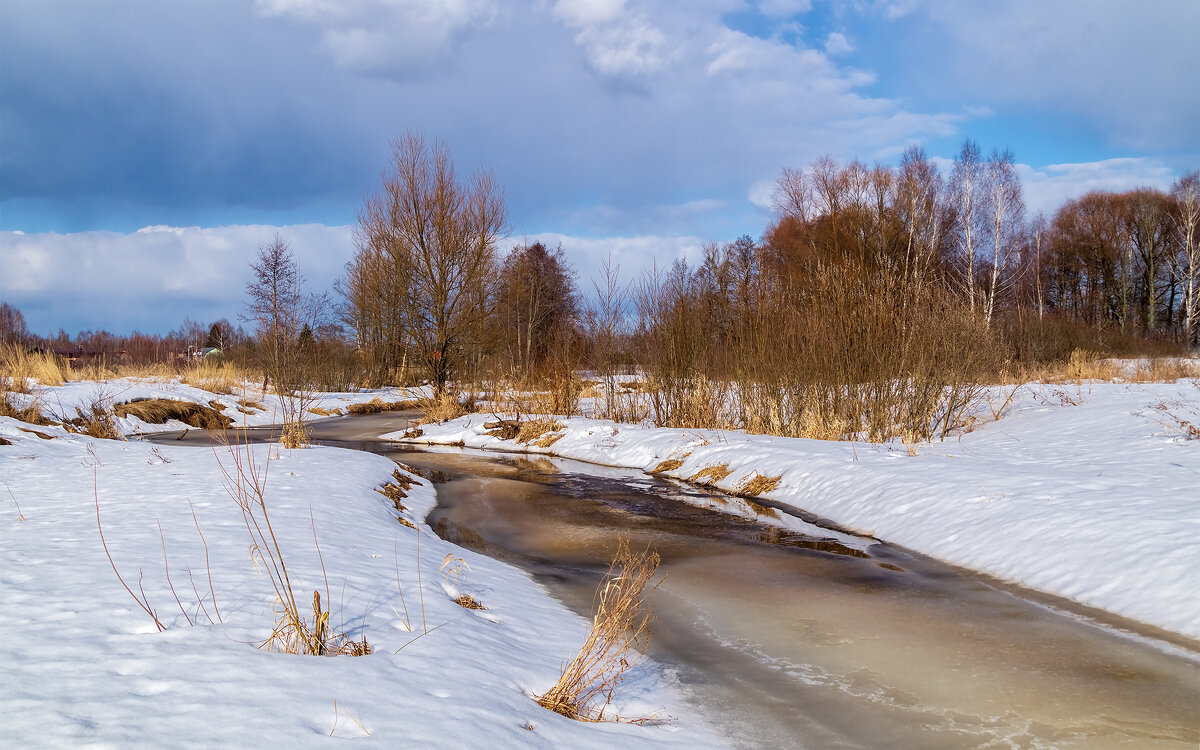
85 667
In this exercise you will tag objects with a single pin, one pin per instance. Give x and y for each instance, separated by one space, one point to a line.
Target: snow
1088 491
83 666
265 408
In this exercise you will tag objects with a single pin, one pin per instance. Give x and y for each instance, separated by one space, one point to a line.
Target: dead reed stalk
245 481
618 638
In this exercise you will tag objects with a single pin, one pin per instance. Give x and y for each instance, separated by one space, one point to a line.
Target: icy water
786 635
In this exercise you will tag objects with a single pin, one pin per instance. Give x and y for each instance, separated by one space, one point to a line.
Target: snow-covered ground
83 666
248 406
1090 492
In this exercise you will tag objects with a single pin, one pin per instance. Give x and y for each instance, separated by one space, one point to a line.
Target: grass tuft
444 407
711 475
376 405
321 411
31 413
466 601
20 366
534 429
758 485
161 410
618 638
669 464
94 420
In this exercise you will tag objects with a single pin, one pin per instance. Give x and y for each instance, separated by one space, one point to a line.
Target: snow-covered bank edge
1084 492
247 406
85 666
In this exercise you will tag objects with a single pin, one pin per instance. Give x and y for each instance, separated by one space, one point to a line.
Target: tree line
865 275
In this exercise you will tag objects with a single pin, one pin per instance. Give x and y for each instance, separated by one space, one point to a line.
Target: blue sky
641 129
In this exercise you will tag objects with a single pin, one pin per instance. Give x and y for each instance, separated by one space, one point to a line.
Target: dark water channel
786 635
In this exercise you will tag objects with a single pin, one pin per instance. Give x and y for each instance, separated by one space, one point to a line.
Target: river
790 635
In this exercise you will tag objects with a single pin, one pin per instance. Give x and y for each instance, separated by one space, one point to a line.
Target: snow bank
1088 492
248 406
83 666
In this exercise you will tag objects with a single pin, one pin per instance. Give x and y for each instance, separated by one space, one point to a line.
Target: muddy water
789 637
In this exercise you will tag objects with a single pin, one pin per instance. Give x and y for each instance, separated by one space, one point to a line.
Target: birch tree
1186 217
1007 211
968 195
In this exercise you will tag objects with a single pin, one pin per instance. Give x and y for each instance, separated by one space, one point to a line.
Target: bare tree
1036 260
437 236
1186 216
605 321
919 205
968 195
1147 235
279 309
12 325
1007 210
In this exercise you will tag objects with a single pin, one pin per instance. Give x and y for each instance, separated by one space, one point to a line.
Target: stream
787 632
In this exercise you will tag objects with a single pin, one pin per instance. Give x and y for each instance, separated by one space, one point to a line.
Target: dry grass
551 395
376 405
19 366
30 414
711 475
160 410
15 385
295 632
466 601
95 420
759 484
533 429
323 412
618 638
397 491
222 378
1084 365
1180 418
294 434
669 464
442 408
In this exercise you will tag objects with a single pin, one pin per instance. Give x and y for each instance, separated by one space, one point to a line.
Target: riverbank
86 666
1087 492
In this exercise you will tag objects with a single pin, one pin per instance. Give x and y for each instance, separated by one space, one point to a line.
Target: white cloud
386 36
762 194
616 41
1126 69
837 44
633 256
580 13
152 278
784 8
1046 188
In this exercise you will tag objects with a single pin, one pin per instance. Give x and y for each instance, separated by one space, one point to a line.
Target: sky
148 148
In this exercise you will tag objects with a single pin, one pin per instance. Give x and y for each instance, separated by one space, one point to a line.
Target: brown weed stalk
295 632
619 636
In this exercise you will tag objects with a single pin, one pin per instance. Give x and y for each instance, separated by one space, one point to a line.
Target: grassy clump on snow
161 410
618 638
